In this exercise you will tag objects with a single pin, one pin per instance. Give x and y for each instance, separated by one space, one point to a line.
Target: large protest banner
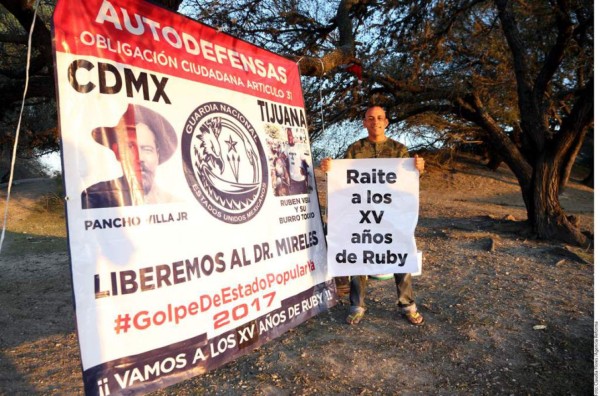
372 212
193 222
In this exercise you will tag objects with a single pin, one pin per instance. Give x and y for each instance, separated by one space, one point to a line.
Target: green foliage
38 133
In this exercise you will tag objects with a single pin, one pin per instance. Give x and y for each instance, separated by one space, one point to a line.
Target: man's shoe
355 316
414 318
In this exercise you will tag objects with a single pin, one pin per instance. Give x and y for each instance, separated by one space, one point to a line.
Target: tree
39 134
516 74
537 56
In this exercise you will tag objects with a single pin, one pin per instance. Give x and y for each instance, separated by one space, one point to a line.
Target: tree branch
576 123
473 109
530 109
555 55
343 54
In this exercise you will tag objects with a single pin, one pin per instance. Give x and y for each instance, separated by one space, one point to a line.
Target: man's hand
419 163
326 164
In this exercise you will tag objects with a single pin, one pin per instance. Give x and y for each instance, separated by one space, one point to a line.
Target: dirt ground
505 314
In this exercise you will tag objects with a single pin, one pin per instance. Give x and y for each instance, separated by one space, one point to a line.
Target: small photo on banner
290 160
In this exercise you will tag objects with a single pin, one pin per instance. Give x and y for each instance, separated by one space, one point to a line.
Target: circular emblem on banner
224 162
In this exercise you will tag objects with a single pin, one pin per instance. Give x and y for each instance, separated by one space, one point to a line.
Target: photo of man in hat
141 141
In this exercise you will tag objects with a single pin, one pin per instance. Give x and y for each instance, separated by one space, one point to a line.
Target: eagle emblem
227 162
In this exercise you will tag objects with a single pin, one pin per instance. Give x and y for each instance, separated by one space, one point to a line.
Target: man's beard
147 179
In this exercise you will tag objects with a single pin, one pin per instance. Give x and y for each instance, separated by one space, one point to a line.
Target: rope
321 100
14 153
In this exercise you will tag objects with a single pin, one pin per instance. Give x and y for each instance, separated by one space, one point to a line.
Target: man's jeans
404 291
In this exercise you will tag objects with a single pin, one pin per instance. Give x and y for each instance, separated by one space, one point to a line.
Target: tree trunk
570 160
546 216
539 183
589 179
494 161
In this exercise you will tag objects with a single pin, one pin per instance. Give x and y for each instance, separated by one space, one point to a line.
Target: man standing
141 140
378 145
298 153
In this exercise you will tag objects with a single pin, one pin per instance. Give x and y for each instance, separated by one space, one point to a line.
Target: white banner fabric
194 227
